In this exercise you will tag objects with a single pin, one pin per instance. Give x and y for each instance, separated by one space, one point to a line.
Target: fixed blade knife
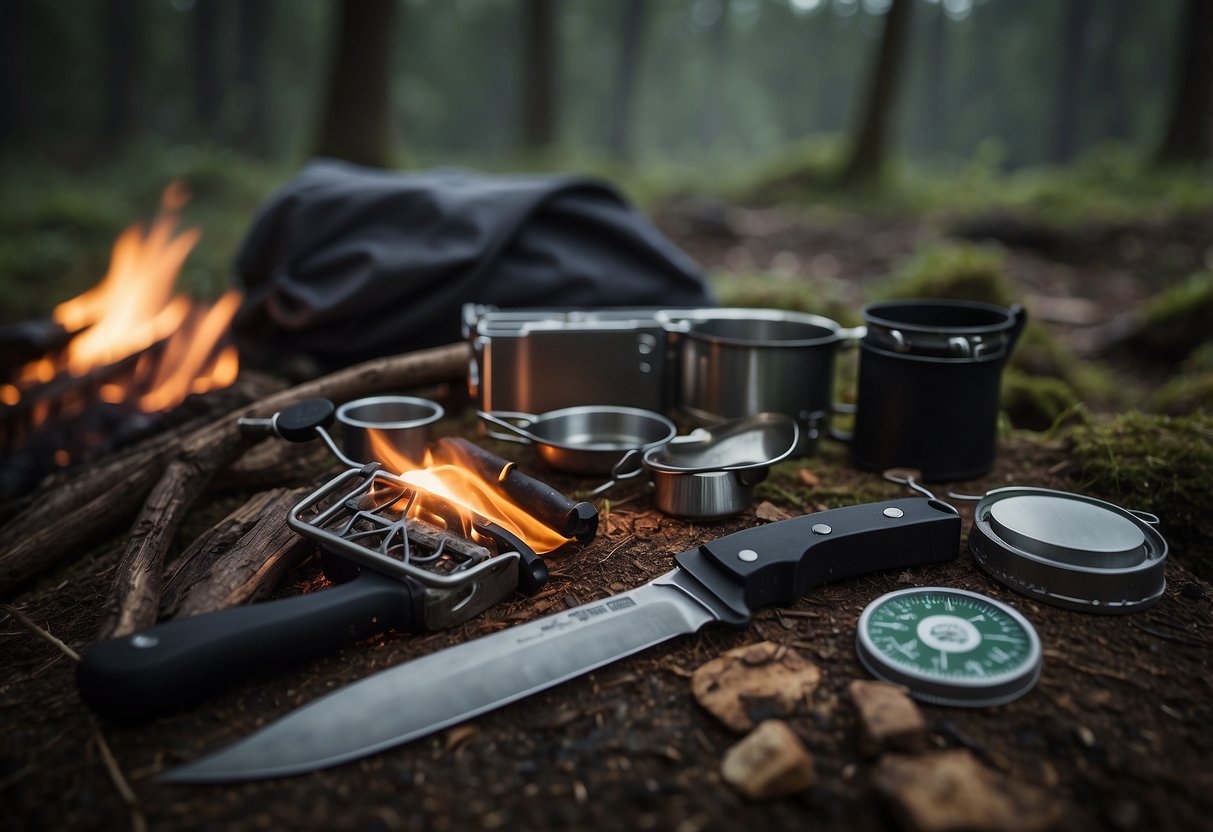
718 582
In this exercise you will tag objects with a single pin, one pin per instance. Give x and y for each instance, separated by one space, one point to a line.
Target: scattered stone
947 791
808 478
770 762
889 719
770 512
752 683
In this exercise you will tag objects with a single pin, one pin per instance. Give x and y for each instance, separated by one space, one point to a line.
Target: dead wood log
219 572
135 596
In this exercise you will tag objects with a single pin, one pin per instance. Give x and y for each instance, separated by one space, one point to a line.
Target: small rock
770 512
889 719
770 762
754 682
950 790
808 478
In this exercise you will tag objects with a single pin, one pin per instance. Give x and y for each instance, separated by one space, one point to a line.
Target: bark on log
219 574
135 597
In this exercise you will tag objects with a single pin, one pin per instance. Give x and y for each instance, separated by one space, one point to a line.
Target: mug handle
850 339
1021 320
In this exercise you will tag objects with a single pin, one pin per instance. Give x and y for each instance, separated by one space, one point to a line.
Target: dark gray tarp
347 263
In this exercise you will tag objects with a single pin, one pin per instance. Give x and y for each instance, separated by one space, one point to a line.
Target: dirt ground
1118 732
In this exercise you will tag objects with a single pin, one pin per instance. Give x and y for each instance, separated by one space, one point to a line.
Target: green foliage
1159 464
960 271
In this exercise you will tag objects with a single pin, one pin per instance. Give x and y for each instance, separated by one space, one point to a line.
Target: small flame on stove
460 485
134 308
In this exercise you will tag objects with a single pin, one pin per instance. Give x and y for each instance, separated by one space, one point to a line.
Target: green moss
1180 319
1035 402
1159 464
1191 389
1040 354
961 271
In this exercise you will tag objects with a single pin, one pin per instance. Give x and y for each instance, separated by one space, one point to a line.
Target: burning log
110 493
135 598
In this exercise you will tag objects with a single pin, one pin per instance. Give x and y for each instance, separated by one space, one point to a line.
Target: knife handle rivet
894 512
748 555
821 528
142 642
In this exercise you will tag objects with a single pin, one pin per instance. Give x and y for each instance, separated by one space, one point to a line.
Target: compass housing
949 646
1069 550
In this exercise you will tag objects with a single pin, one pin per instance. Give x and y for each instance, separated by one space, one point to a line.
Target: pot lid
1069 549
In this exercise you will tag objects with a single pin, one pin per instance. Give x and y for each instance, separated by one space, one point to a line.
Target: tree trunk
631 43
1069 96
208 82
124 25
931 117
539 75
252 75
14 113
357 120
869 144
1189 133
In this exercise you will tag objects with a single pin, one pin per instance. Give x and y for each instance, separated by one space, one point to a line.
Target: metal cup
388 429
930 376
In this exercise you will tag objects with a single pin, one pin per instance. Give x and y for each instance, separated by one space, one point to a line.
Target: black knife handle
176 664
778 563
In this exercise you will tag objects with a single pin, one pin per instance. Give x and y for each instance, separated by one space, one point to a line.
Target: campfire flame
134 308
460 485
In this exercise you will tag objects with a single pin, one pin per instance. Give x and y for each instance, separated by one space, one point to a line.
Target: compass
949 646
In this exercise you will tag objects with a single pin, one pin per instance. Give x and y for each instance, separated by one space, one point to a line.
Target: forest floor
1117 734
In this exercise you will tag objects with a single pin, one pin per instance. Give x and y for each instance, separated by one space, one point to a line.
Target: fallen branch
242 558
135 597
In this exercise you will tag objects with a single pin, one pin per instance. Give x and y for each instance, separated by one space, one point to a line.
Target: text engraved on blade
579 616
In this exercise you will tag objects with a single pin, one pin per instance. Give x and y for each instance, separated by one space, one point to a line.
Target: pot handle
628 466
516 433
850 339
1021 320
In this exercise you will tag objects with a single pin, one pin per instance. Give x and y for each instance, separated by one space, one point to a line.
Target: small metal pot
388 429
710 474
589 440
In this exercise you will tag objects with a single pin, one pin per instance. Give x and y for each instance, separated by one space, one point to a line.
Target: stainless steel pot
740 362
711 473
393 430
589 440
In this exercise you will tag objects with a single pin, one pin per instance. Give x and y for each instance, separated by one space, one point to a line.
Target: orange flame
460 486
133 308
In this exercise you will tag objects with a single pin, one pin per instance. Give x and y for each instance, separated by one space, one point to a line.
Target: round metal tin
949 646
1069 550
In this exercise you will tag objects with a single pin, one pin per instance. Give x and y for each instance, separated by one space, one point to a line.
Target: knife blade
718 582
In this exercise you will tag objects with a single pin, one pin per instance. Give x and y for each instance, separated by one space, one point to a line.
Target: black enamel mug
930 377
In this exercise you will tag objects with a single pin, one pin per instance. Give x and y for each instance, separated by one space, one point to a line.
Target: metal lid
1068 549
949 646
757 441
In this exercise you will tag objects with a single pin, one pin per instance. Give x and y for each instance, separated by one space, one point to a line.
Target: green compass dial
949 646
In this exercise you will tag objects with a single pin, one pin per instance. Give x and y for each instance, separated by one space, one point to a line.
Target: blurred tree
252 75
718 73
357 117
869 141
1069 89
540 73
1189 130
631 44
14 113
125 59
208 78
